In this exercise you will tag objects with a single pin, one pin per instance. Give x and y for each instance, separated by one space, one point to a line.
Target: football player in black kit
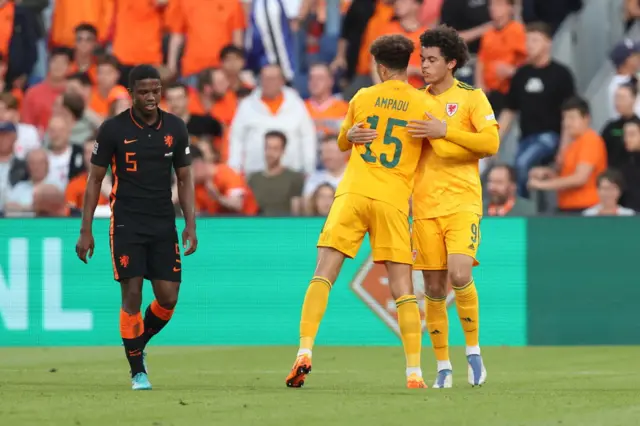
142 145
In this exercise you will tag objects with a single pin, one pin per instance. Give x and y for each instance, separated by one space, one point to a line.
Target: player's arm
484 143
184 178
343 142
104 148
446 149
175 22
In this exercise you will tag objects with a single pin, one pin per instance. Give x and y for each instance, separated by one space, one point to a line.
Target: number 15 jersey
384 169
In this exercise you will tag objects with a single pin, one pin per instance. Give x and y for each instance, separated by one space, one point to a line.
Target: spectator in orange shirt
74 193
68 14
406 23
502 50
203 127
214 97
208 26
38 101
141 21
83 58
326 110
233 63
218 189
107 81
381 17
582 157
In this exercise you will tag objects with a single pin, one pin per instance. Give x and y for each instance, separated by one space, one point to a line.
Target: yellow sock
410 328
313 308
468 311
438 326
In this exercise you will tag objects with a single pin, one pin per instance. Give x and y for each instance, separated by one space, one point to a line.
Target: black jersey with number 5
142 157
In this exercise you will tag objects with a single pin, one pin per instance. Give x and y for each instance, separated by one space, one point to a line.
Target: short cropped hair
178 85
613 176
540 27
392 51
510 171
84 26
451 45
231 49
61 51
74 103
577 103
108 60
142 72
276 134
632 86
81 77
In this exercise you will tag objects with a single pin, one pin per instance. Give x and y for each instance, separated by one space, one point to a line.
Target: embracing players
447 199
373 197
142 145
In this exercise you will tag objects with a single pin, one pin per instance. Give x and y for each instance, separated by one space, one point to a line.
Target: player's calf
313 308
467 306
409 320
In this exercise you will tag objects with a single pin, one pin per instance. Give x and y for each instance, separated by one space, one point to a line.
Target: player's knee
435 283
169 301
132 298
459 277
436 290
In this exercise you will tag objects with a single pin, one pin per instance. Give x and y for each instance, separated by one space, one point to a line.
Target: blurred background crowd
263 86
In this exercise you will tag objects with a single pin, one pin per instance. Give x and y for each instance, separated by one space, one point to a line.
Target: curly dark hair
392 51
451 45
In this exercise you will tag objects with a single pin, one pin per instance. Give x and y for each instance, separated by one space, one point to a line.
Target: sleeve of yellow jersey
347 123
485 140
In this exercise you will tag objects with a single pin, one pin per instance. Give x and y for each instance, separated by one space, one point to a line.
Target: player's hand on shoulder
85 246
358 134
189 240
430 128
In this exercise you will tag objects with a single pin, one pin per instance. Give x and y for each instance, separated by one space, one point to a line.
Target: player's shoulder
113 126
363 93
172 121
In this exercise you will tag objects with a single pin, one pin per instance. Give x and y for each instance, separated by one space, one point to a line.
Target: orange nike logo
176 269
135 352
126 141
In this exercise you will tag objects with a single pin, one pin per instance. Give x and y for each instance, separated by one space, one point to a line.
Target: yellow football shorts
353 215
436 238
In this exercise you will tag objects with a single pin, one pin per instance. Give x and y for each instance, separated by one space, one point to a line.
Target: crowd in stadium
263 86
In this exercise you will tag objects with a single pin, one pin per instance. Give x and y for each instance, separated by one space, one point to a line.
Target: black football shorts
134 255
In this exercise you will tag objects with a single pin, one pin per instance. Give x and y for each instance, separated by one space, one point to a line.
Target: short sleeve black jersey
141 158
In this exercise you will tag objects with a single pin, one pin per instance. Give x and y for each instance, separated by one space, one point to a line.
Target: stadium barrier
541 281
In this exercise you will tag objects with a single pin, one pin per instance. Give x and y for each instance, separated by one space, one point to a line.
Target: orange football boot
299 372
416 382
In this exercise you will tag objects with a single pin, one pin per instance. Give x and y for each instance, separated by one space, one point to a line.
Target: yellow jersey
443 185
384 169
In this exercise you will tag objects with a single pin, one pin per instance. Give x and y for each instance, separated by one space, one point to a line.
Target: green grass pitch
349 386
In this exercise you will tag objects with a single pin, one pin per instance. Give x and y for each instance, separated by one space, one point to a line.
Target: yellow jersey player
447 199
373 198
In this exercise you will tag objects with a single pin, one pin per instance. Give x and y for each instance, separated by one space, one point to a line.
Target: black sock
152 325
133 350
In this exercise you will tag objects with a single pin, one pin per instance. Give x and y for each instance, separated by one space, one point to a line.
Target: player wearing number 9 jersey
447 200
373 198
